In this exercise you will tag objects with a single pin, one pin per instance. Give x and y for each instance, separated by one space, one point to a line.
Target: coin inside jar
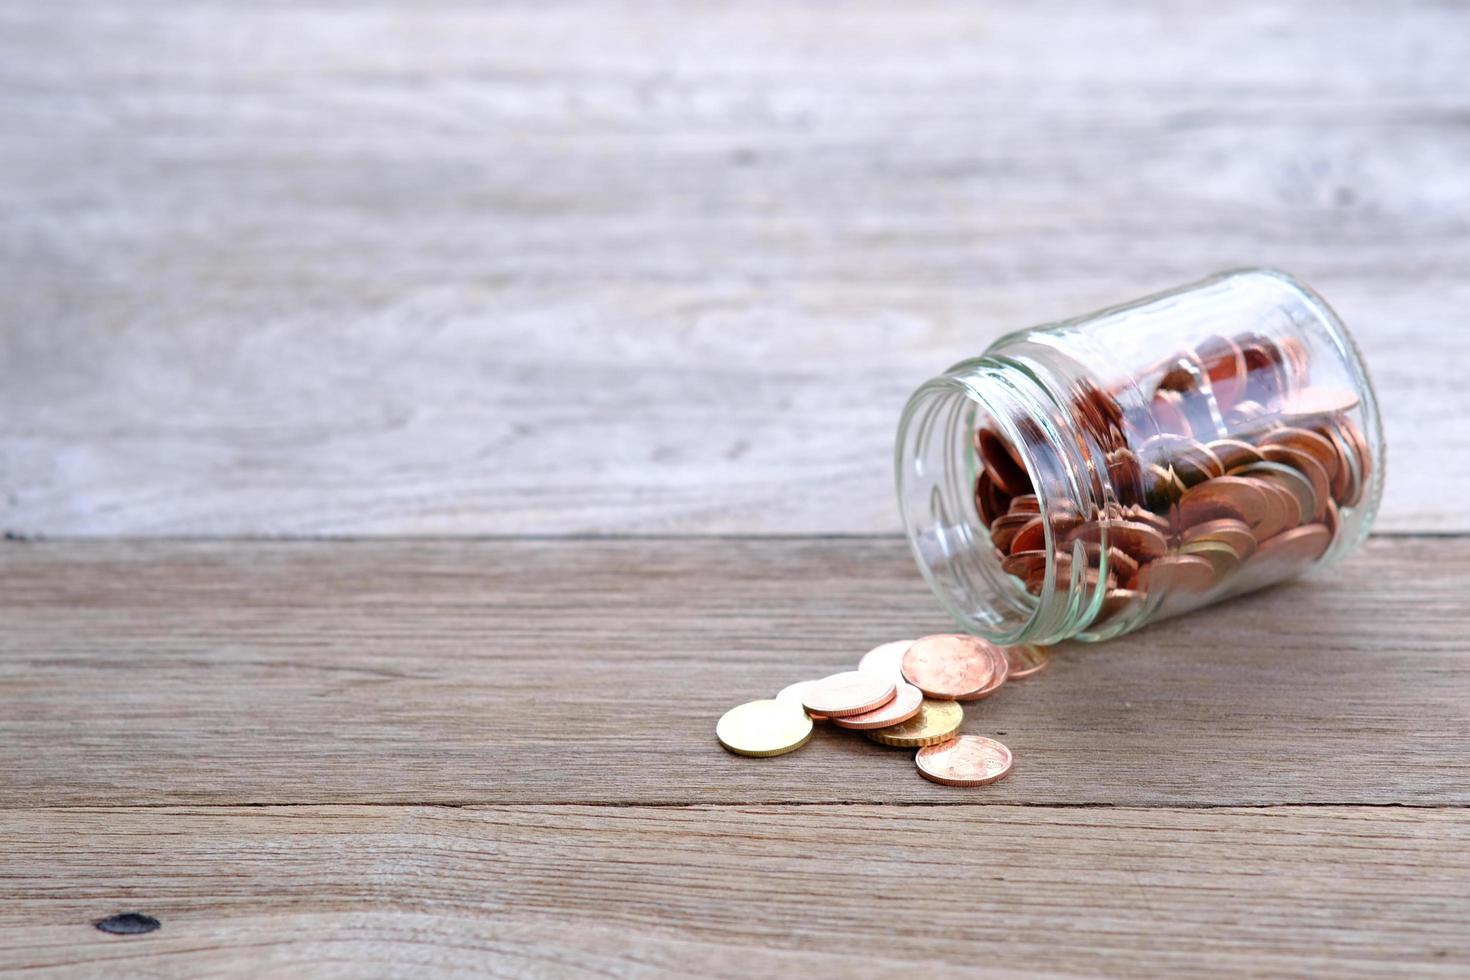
969 760
849 693
763 728
948 665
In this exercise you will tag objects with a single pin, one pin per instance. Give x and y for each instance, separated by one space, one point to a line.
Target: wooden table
421 421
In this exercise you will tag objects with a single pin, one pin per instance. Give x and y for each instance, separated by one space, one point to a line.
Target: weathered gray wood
378 268
740 891
594 671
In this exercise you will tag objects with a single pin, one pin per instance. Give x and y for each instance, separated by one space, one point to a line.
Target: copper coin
1223 498
849 693
1118 603
1234 452
1358 447
1000 670
1031 537
1223 361
982 499
1168 412
1188 574
969 760
1331 519
1003 462
948 665
1140 515
793 694
1296 485
1003 529
1314 403
1307 466
1224 558
1025 503
1299 546
1191 460
886 660
1314 444
1025 564
1237 534
1121 565
937 721
1345 475
1140 540
905 704
1025 660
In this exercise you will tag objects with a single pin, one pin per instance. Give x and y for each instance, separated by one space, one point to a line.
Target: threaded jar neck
1022 408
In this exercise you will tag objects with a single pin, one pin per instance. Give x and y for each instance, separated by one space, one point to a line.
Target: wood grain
594 671
740 891
440 268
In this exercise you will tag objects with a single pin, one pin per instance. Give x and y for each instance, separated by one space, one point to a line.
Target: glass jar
1083 478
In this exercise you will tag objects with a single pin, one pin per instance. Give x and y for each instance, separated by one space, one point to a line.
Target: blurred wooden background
381 268
632 294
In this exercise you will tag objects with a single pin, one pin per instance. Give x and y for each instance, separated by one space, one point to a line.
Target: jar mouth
936 473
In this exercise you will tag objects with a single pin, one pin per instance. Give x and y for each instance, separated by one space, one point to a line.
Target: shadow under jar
1081 479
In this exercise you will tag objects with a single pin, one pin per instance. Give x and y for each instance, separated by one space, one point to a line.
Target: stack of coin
904 694
1229 477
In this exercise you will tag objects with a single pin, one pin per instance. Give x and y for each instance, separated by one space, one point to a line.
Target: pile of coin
904 694
1229 476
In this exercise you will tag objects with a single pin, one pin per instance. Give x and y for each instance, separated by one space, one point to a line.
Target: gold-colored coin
764 728
936 722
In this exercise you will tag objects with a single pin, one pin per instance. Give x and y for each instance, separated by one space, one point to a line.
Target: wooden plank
740 891
443 268
594 671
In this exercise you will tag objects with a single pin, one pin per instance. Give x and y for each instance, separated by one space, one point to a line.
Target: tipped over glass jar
1083 478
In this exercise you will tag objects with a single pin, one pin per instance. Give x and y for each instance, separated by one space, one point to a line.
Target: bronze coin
1331 519
1221 556
968 760
1141 515
1004 528
849 693
1223 498
1233 453
885 660
1191 460
1317 403
1225 365
1235 533
1024 564
948 665
1000 666
1295 484
982 499
1026 503
1031 536
1299 546
792 694
1025 660
1121 565
1314 444
1168 413
1358 445
1003 463
905 704
1307 466
1188 574
1141 541
937 721
1118 603
1344 476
